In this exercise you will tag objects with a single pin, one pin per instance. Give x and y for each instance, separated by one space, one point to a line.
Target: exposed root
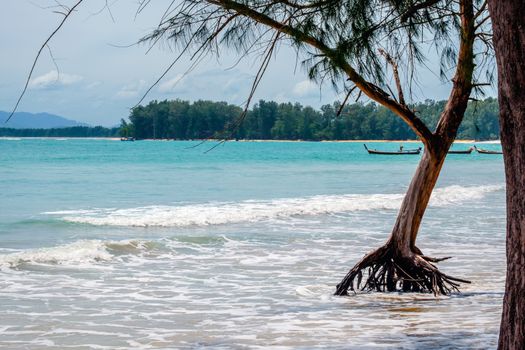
385 271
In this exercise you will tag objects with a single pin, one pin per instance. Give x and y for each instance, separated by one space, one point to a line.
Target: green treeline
75 131
183 120
288 121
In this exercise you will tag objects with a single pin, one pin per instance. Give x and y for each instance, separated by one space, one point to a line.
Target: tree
125 128
270 120
509 44
364 43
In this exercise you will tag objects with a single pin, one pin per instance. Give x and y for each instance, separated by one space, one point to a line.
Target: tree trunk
509 44
399 264
405 230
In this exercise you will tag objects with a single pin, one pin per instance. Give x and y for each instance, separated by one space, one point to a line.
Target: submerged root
385 271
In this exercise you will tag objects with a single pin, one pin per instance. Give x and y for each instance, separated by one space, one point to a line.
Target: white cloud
131 90
93 85
54 79
237 83
305 88
281 98
172 85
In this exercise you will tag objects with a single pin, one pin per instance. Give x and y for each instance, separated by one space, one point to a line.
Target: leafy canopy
326 33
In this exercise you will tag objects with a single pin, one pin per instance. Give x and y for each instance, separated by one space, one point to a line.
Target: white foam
459 194
319 291
76 253
490 142
252 211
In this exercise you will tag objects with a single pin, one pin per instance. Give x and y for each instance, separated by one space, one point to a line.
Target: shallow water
154 245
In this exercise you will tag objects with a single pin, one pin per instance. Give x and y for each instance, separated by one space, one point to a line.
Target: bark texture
509 42
399 264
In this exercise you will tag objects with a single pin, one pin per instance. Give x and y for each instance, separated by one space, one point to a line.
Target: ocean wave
456 194
218 213
490 142
74 254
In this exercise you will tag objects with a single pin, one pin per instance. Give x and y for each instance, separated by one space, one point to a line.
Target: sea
188 245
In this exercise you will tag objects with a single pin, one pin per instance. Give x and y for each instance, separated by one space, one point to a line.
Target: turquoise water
160 244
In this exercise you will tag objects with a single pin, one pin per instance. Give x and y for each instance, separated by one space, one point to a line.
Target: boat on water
127 139
400 152
486 151
467 151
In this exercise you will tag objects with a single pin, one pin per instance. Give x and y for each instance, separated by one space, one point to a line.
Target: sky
97 74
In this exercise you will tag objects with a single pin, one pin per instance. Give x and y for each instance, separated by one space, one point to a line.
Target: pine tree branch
462 81
413 10
372 91
395 71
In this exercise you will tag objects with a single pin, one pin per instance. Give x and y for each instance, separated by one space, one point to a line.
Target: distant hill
24 120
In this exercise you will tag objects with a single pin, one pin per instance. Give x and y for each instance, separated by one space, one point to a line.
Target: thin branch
395 70
413 10
371 90
462 80
340 110
45 44
54 61
169 68
260 73
481 9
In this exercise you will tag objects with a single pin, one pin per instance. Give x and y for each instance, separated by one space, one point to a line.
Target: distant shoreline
242 140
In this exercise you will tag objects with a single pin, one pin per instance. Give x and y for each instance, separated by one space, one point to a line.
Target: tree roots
385 270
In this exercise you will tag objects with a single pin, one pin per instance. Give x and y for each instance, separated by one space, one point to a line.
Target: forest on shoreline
74 131
269 120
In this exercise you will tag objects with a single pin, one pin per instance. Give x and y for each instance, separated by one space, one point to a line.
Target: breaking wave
218 213
74 254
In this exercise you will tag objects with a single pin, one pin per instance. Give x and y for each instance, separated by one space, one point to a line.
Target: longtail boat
485 151
467 151
394 153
